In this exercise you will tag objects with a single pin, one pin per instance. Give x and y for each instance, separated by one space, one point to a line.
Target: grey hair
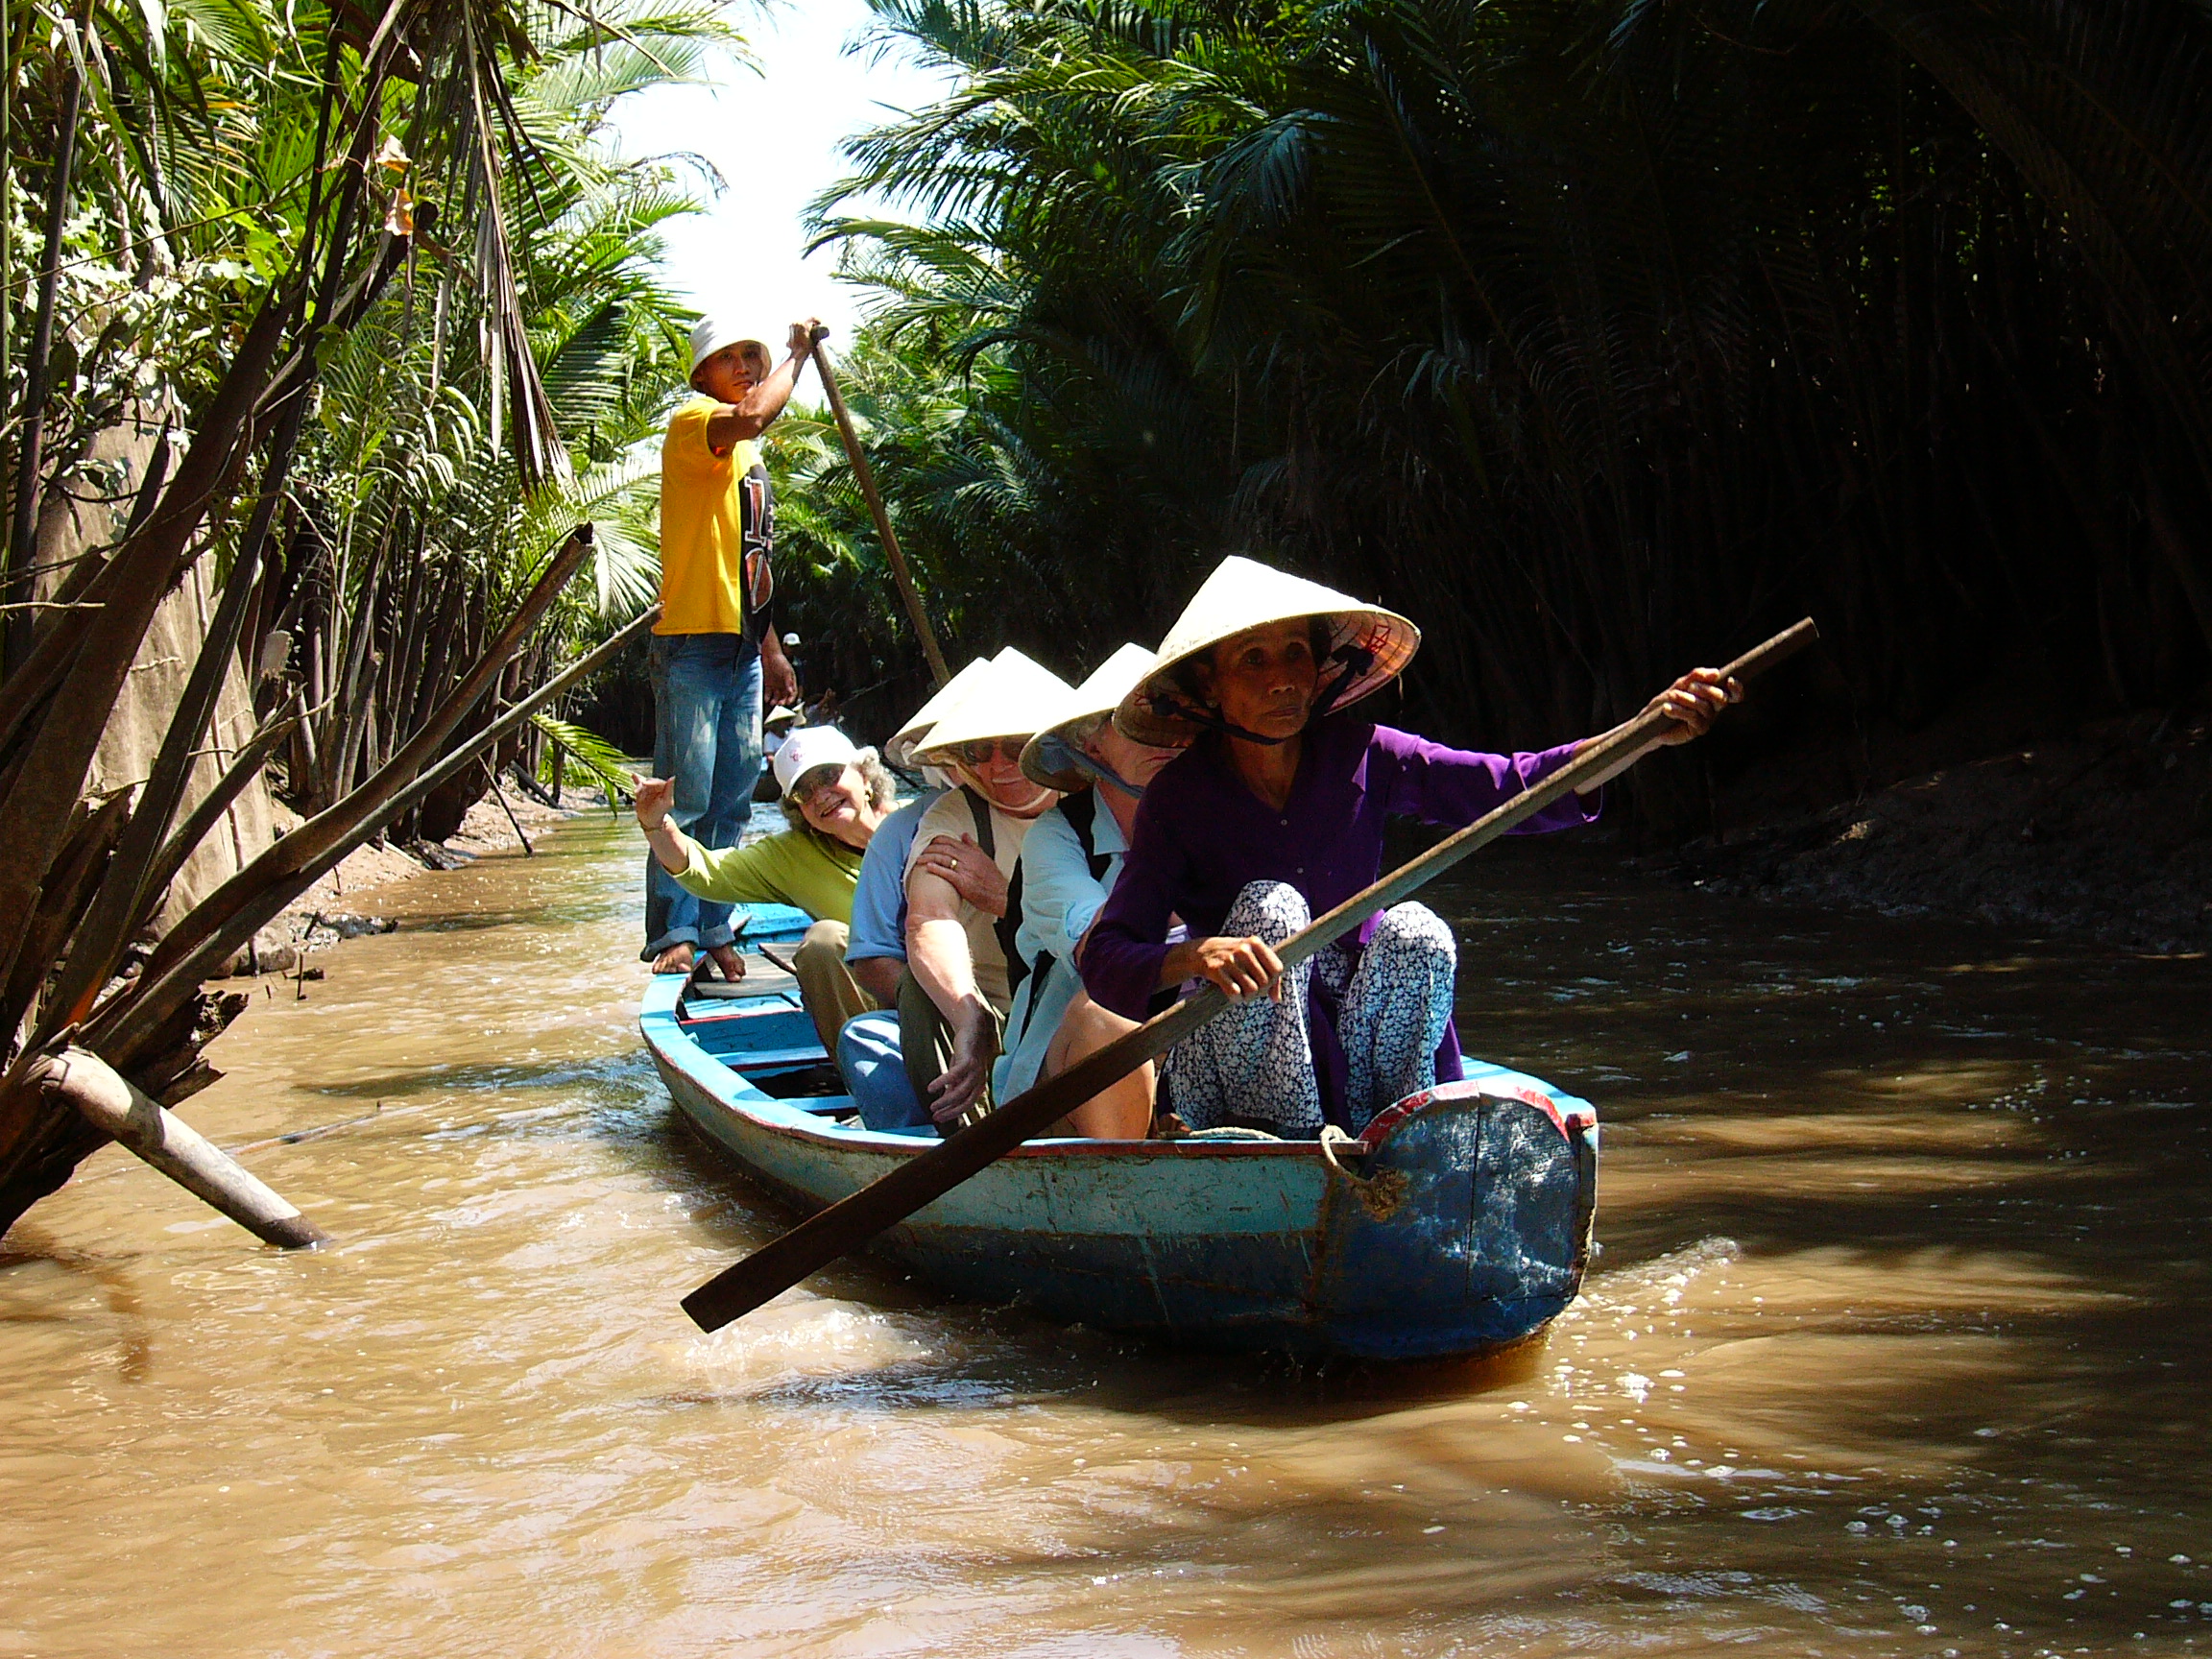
1077 733
882 790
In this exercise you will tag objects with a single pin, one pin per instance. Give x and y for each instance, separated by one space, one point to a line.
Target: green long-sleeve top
811 872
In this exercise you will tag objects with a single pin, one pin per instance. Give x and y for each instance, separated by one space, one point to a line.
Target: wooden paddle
866 477
852 1222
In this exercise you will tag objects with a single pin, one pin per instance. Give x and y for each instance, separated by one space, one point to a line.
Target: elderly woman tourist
868 1051
953 1002
834 797
1274 815
1070 861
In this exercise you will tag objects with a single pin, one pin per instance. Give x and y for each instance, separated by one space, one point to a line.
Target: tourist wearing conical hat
1275 815
867 1049
1070 860
953 999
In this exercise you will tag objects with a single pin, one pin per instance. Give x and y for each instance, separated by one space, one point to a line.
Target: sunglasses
815 780
980 753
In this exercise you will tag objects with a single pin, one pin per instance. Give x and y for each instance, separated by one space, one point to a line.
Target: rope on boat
1381 1193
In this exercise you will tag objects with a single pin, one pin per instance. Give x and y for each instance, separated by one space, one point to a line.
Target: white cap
711 336
782 714
810 747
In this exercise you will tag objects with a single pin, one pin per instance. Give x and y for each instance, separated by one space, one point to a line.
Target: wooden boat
1459 1222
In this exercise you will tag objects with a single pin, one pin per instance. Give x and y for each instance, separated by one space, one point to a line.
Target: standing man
714 649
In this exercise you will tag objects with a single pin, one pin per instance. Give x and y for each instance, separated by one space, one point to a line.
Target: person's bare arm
973 874
778 680
653 798
937 953
878 977
753 414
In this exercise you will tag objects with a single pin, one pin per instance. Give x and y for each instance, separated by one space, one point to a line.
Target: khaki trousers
926 1044
833 996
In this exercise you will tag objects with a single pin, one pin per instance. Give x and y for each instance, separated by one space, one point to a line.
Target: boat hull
1459 1223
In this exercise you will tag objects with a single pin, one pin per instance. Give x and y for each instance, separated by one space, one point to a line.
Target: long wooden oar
852 1222
867 480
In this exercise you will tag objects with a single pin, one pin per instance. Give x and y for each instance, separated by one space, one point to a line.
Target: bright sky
774 136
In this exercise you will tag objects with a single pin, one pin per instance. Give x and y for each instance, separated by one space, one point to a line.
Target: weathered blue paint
1459 1222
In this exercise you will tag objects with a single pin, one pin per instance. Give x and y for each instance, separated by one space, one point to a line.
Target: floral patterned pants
1254 1063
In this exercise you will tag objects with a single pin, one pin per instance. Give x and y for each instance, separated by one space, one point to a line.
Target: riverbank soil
1895 1348
2007 810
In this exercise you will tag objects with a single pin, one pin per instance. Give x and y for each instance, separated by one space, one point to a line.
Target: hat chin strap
1354 661
1061 756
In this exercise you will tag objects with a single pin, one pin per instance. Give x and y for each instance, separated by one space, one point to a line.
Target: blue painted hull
1459 1223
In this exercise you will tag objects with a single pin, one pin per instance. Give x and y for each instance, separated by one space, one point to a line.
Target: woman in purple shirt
1274 816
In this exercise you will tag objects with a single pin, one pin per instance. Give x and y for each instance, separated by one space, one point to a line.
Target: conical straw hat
1007 700
1243 595
1100 694
899 751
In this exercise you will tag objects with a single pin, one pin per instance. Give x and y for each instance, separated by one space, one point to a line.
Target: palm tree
1602 336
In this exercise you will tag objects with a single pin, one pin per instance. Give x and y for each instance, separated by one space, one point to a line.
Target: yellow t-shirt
715 522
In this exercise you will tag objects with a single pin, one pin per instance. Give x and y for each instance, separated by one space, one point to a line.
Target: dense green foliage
492 395
351 315
1598 336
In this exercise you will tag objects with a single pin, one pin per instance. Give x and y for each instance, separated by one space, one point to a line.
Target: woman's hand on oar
1239 966
1694 702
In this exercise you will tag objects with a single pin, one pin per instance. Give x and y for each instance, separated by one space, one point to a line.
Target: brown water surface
1897 1347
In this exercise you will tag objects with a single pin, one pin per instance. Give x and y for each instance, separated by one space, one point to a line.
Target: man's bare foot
726 959
676 959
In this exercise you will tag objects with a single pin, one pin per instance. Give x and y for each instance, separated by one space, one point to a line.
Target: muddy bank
2101 832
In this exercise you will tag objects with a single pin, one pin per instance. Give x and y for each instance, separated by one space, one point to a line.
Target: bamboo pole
143 1126
866 477
859 1217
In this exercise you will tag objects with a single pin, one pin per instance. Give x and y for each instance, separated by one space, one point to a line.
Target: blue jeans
869 1056
707 736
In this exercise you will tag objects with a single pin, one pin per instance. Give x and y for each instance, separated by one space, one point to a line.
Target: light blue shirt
879 901
1059 899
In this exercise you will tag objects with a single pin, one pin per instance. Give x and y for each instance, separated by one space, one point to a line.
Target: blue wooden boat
1459 1223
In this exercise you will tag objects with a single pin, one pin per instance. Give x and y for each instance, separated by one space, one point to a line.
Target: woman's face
834 802
1263 680
1131 762
993 767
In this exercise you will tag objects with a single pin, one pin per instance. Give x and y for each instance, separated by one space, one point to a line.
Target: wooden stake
867 480
514 823
144 1126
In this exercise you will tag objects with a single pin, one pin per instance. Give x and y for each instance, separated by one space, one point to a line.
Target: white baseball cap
711 336
810 747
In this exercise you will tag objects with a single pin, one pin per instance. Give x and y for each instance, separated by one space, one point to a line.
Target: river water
1897 1345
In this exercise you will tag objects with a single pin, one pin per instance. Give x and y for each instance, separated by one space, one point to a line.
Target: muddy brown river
1897 1346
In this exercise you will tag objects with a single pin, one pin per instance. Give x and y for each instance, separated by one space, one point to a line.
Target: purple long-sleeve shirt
1201 836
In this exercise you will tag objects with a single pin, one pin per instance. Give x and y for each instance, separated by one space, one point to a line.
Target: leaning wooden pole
867 478
859 1217
87 1084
